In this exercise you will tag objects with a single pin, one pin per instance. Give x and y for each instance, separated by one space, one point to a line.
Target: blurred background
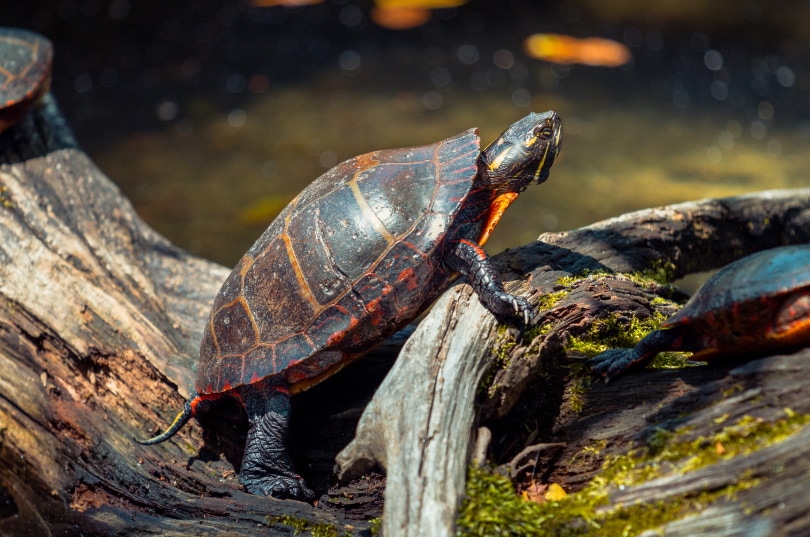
211 115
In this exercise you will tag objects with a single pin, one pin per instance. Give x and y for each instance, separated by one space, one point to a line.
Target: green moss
661 271
300 525
549 300
532 337
501 352
671 360
574 279
594 449
579 381
504 343
610 333
325 530
535 331
669 449
492 507
375 526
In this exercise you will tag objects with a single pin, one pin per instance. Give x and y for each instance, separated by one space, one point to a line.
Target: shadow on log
100 320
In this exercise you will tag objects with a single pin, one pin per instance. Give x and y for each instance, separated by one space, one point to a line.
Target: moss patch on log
301 525
614 332
492 507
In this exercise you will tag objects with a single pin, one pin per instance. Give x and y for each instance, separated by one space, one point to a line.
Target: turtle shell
743 293
25 72
354 257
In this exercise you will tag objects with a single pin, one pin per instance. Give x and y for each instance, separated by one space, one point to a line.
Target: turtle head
523 153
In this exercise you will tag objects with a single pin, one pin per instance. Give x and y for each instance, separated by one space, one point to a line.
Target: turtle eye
544 132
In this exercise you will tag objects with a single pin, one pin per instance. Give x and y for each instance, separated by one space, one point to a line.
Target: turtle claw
504 304
613 362
281 487
521 308
517 306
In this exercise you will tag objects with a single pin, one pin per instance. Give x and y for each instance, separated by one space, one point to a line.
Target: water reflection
211 115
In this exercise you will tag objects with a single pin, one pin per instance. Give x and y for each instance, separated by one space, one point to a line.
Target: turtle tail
182 417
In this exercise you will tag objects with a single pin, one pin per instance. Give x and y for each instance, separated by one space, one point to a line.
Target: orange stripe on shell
306 291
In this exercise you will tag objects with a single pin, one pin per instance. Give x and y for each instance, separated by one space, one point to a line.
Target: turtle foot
267 469
281 487
613 362
508 305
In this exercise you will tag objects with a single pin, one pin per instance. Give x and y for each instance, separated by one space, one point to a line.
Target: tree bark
100 320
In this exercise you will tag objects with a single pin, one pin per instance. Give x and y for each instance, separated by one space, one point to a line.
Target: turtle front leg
471 261
615 362
267 468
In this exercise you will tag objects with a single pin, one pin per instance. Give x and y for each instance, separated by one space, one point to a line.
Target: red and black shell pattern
25 72
739 304
354 257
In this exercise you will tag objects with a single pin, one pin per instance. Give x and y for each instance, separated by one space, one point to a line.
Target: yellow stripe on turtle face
497 161
556 146
542 164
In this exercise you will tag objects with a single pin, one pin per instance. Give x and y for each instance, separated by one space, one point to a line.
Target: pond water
212 117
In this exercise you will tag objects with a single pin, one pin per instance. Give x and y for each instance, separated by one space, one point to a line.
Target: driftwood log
100 320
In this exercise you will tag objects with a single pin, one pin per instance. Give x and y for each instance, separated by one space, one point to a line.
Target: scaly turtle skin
25 72
356 256
754 306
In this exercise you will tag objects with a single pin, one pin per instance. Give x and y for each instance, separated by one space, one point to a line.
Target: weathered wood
100 320
422 441
704 403
424 486
681 239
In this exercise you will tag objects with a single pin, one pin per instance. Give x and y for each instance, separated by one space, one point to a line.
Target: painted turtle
356 256
25 73
756 305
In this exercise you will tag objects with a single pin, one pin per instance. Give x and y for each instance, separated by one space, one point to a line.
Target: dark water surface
212 115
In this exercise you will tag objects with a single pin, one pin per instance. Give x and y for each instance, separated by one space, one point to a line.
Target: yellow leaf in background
566 49
534 493
400 18
555 492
